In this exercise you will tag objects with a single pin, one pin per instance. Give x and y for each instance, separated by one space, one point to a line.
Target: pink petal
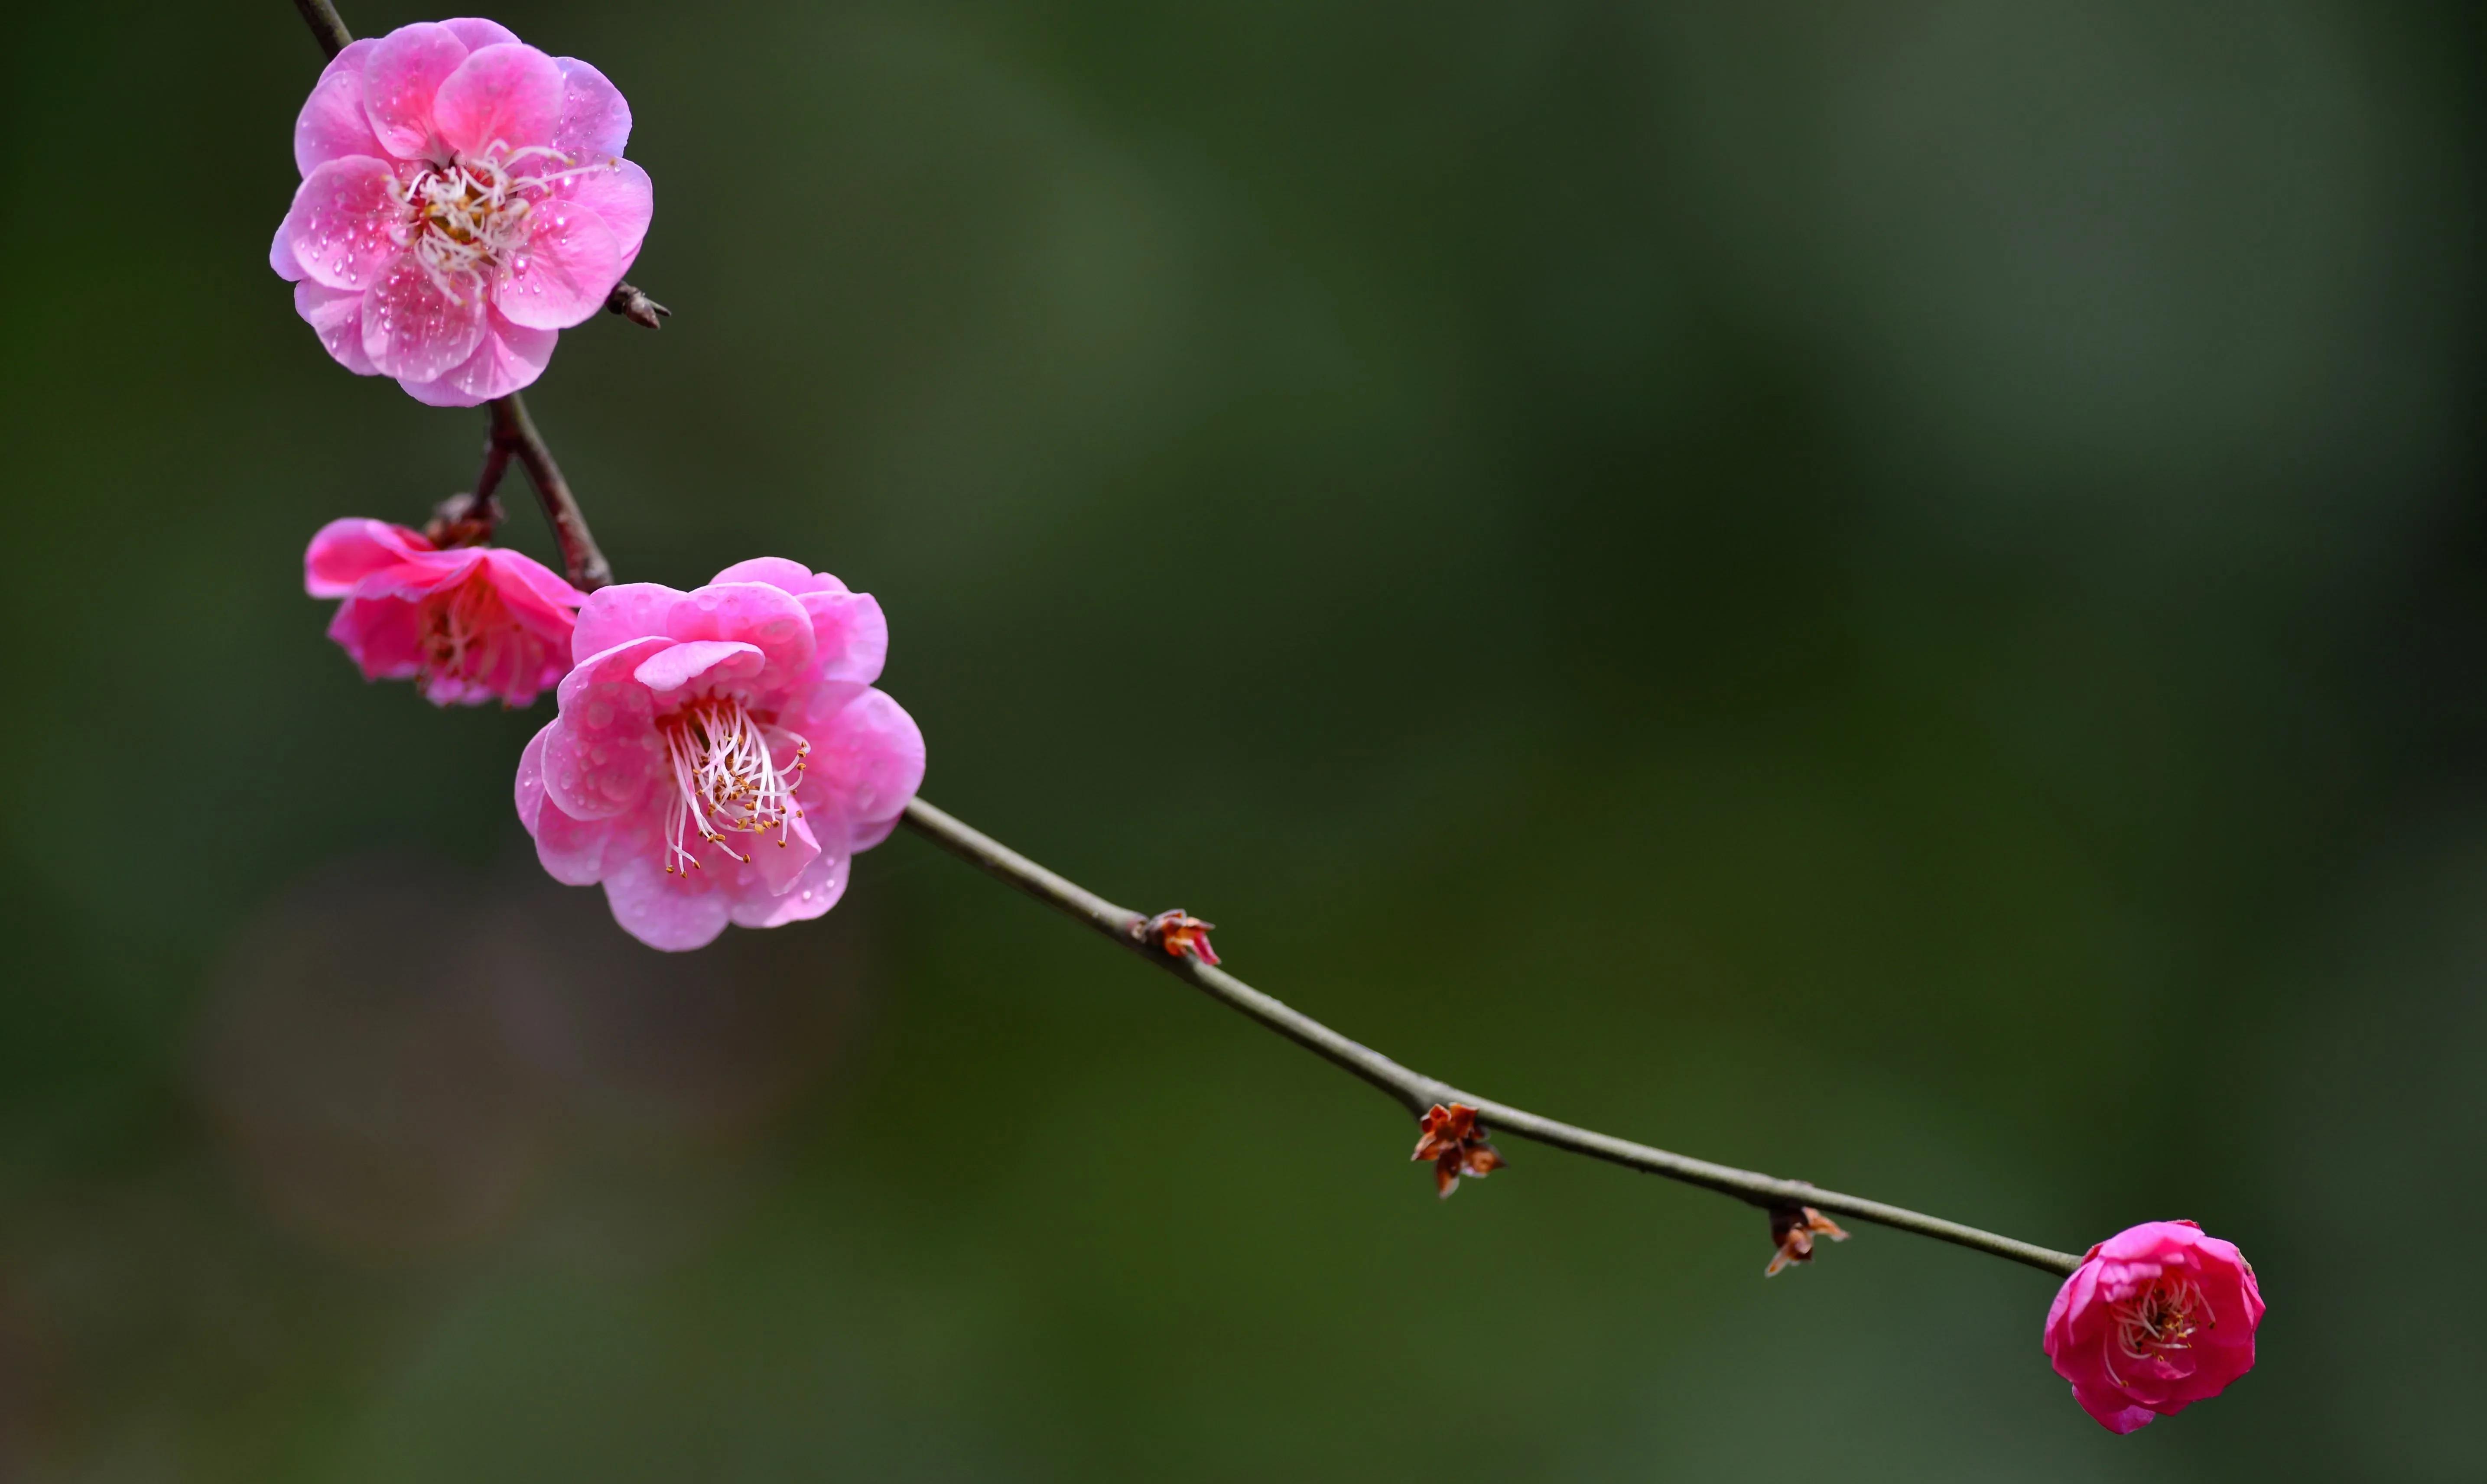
812 892
538 601
595 118
677 666
343 553
280 251
333 124
336 316
479 34
516 574
420 574
2111 1412
675 913
601 759
560 277
777 865
619 613
384 637
869 758
508 359
501 98
528 792
752 613
778 572
412 330
400 76
344 221
853 635
572 851
624 197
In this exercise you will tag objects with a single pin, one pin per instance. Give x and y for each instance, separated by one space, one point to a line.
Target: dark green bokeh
1889 594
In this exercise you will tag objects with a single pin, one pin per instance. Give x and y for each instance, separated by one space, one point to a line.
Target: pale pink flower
474 622
464 199
721 754
2157 1318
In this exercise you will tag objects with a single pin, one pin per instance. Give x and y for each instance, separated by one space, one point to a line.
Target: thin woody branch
515 435
327 27
1418 1092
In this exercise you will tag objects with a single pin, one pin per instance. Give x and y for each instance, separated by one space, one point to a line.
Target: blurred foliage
1891 594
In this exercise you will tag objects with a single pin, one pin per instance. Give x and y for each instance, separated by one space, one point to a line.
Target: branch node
1793 1229
1179 934
463 519
1456 1143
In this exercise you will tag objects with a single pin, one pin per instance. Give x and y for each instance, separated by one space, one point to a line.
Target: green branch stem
514 435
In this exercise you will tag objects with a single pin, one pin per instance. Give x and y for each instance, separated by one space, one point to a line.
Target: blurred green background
1895 595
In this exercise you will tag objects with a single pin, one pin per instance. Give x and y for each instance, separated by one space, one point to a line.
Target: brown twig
1416 1092
515 435
327 27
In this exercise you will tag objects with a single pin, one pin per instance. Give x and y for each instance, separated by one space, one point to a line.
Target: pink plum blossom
474 623
464 199
2157 1318
720 754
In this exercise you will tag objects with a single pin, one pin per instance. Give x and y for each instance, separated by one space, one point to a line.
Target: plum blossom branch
1418 1093
1185 953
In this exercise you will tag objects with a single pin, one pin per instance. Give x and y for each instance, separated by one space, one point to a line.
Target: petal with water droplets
563 273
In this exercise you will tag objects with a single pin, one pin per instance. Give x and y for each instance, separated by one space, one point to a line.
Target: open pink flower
720 754
464 199
474 622
2157 1318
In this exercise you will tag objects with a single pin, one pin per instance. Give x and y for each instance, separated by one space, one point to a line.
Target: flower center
2160 1320
468 216
469 636
726 779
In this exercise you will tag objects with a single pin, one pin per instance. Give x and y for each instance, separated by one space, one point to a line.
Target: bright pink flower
464 199
720 754
2157 1318
475 623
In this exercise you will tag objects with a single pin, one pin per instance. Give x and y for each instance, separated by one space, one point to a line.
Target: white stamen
472 214
726 779
2158 1320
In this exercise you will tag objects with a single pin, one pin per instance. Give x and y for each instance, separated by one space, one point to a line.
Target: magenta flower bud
472 625
721 754
2157 1318
464 200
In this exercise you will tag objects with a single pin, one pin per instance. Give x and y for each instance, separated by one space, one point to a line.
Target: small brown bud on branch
1453 1139
1177 934
463 520
632 302
1793 1228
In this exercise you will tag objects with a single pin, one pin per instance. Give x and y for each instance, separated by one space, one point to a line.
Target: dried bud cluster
1179 934
1793 1229
1456 1143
